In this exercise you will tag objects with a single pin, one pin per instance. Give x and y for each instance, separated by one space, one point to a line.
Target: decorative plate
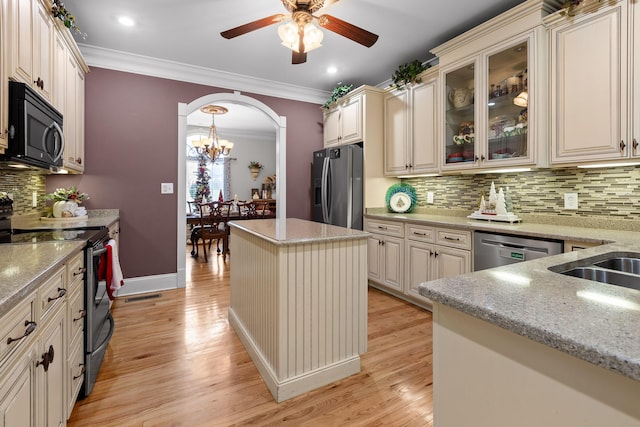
401 198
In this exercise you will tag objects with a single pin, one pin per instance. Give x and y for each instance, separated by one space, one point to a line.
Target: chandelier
212 146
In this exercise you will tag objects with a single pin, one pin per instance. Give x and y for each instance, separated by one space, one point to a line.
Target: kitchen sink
616 268
605 276
624 264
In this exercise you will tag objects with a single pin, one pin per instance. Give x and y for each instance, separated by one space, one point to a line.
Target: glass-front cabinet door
460 115
507 104
486 108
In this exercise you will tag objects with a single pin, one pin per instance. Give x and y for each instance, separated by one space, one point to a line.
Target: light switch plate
430 197
166 188
571 201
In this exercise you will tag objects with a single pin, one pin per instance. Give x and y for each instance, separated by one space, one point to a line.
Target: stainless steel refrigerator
336 182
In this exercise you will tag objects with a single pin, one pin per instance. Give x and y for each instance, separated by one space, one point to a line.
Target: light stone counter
97 218
292 231
23 267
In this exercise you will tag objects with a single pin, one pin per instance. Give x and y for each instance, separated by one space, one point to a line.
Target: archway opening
184 110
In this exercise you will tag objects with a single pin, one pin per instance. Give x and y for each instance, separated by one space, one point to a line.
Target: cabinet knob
435 254
634 144
622 145
79 160
39 83
47 358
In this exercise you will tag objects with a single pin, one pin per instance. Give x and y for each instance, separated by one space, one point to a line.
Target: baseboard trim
141 285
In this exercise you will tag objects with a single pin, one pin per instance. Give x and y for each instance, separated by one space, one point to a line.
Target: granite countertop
292 231
590 320
24 266
96 219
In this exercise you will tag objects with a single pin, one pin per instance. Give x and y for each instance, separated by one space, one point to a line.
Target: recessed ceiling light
332 70
126 21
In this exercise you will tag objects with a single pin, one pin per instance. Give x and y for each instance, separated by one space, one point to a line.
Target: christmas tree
203 192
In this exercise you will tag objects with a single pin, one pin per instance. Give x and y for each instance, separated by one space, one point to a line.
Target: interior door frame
280 125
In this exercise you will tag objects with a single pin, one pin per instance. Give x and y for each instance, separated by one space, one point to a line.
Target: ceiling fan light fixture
289 36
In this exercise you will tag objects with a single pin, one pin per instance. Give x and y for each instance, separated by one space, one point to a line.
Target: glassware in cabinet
460 117
507 106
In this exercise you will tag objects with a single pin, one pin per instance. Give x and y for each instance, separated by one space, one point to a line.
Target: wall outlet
571 201
34 199
166 188
430 197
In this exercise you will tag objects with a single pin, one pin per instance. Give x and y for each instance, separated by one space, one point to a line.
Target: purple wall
130 148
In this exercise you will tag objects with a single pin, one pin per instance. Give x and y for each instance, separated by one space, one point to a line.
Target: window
218 173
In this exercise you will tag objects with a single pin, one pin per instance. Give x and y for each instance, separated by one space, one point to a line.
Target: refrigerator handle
324 193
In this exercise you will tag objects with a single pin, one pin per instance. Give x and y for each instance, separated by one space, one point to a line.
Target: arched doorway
280 125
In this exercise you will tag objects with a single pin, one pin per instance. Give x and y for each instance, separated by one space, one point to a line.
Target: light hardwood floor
175 361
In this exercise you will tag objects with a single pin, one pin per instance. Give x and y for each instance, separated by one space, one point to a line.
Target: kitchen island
523 345
299 301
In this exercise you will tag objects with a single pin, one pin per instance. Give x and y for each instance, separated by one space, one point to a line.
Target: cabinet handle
436 254
61 293
381 227
419 234
406 166
47 358
31 326
80 270
476 158
455 239
634 144
622 145
79 160
83 313
75 377
410 165
382 242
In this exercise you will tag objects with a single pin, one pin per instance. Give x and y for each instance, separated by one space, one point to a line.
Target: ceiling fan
300 35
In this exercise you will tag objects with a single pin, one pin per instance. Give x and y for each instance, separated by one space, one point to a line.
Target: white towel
117 280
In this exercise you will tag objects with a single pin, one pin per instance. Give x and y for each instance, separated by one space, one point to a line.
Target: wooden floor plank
175 361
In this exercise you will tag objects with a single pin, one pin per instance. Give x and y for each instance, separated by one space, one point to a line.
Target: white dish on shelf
509 217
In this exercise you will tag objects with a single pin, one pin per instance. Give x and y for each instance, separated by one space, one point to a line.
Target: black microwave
35 129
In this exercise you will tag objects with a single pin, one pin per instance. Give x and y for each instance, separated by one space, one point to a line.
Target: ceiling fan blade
345 29
298 58
255 25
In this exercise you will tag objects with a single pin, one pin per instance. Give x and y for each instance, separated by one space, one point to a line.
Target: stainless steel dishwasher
494 250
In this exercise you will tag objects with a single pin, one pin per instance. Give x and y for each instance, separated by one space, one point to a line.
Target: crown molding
145 65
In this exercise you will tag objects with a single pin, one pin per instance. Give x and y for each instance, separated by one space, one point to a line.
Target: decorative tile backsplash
22 184
612 193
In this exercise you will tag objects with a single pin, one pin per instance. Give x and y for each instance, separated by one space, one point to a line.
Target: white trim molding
148 66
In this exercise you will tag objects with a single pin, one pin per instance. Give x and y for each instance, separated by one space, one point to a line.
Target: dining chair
212 226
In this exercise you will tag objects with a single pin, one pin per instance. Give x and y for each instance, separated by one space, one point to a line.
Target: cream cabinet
386 253
37 345
74 372
410 128
18 332
30 44
493 92
591 98
403 255
68 97
343 122
434 253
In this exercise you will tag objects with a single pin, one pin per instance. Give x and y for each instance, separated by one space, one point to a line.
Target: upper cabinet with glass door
493 92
